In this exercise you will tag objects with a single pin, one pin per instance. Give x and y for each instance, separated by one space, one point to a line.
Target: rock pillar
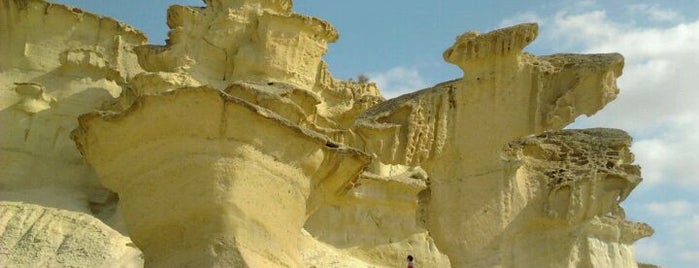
209 180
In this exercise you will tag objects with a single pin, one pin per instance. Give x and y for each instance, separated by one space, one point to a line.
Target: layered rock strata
260 42
381 218
213 169
56 63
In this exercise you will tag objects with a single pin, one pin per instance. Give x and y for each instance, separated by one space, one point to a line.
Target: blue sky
399 45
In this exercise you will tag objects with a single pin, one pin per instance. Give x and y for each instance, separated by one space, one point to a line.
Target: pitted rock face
566 188
594 163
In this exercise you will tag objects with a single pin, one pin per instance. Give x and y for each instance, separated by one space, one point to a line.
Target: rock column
208 180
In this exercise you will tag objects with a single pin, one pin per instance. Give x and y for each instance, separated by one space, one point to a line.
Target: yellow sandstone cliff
233 146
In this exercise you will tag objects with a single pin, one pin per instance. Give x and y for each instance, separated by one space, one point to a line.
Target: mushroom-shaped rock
206 179
456 129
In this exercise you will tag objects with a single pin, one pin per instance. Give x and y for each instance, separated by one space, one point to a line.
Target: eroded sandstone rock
36 236
565 188
234 146
447 131
382 218
56 63
242 40
213 169
262 43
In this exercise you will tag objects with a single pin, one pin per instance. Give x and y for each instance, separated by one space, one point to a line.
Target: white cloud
582 29
652 151
584 4
691 256
669 154
659 106
658 102
676 240
523 17
398 80
691 227
654 12
686 237
649 250
670 209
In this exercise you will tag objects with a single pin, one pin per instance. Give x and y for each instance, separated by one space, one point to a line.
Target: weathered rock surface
381 218
233 146
36 236
456 129
243 194
56 63
564 189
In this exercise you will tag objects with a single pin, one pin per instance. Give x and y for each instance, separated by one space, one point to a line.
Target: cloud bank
398 80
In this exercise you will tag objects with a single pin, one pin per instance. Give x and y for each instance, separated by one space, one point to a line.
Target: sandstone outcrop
36 236
56 63
213 170
565 188
447 131
233 146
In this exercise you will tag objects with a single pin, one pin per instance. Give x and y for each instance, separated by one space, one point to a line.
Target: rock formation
456 130
564 188
233 146
36 236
